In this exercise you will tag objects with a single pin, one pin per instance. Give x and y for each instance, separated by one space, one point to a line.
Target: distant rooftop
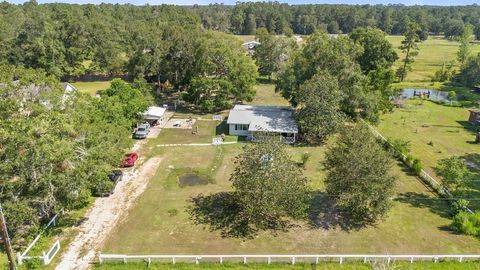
264 118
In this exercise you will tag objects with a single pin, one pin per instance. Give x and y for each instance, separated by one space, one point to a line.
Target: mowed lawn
436 132
91 88
322 266
160 224
432 54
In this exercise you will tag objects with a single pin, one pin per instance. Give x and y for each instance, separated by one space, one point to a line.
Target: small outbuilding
474 118
154 115
246 120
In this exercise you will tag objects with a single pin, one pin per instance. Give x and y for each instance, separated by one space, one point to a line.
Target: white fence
291 259
47 257
423 172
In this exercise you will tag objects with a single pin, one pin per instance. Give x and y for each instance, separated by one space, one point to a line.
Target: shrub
467 223
401 146
305 157
34 263
459 206
416 166
102 188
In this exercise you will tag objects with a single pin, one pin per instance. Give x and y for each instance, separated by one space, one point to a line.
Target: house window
241 127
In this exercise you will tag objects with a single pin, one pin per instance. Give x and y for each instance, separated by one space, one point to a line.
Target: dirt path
103 216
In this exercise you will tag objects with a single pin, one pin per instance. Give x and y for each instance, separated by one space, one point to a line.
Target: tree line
245 18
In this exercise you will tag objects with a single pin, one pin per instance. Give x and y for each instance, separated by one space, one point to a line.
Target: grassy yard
324 266
160 224
435 132
91 88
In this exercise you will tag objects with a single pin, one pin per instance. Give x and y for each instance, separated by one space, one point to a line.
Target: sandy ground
185 124
103 216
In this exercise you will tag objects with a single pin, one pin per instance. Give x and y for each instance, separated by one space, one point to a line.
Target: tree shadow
325 214
221 212
468 126
419 200
222 128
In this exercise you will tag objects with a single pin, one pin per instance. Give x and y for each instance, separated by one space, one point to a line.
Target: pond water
407 93
191 180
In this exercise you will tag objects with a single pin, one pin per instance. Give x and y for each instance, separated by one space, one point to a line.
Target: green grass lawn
435 132
323 266
159 223
432 54
266 95
91 88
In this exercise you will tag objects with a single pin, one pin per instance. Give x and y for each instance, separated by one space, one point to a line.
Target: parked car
129 159
142 131
105 188
115 176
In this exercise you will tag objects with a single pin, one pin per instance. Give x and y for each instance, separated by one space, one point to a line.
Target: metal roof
264 118
154 112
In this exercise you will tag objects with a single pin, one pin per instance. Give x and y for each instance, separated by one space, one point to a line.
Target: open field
326 266
436 132
432 54
160 224
91 88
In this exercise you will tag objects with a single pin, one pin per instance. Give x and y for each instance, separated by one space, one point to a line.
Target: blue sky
205 2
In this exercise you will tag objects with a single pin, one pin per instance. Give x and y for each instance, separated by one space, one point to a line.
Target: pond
436 95
191 180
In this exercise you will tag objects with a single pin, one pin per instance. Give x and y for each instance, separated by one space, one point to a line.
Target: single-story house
246 120
154 114
474 118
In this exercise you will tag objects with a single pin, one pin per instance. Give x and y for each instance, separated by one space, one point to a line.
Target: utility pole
6 241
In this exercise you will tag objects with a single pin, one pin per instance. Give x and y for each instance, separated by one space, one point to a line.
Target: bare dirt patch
180 123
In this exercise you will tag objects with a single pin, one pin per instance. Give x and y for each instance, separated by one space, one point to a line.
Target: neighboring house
251 46
34 92
154 115
246 120
474 118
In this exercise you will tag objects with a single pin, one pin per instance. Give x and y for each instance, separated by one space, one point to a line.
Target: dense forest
244 18
73 40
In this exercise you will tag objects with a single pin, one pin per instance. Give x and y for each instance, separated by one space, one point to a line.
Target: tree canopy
364 94
56 149
358 175
269 185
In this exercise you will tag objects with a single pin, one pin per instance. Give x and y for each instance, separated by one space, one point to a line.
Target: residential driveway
103 216
106 212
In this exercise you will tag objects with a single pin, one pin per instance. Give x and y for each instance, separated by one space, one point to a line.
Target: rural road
103 216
